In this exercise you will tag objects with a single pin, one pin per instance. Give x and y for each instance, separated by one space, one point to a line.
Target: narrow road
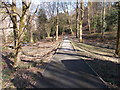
67 70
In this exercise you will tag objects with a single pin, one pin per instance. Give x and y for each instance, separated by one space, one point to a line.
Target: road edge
58 46
91 67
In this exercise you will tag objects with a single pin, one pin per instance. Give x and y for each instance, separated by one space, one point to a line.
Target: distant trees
112 19
66 6
51 16
79 20
70 20
42 20
58 18
49 11
102 17
32 25
5 26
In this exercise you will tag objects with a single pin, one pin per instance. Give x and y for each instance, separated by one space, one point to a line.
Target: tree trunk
72 33
70 21
30 26
17 57
89 26
63 31
48 34
117 51
14 20
20 32
48 29
109 6
15 28
31 36
103 21
77 19
81 20
95 22
4 36
57 24
57 32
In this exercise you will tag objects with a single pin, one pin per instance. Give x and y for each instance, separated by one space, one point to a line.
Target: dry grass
101 59
34 59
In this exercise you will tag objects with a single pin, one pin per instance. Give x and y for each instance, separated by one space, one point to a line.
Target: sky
35 3
38 1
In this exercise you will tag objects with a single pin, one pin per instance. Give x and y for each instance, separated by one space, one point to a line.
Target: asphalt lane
67 70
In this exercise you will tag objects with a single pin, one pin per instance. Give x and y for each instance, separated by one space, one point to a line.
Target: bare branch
3 18
6 28
30 18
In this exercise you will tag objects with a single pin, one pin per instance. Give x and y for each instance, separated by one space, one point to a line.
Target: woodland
32 33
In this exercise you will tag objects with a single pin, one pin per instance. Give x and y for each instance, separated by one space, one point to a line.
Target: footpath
67 70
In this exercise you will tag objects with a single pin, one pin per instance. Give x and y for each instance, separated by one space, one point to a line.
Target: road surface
67 70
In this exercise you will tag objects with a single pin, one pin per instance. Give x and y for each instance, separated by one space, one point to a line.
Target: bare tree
81 20
109 5
50 10
33 24
77 19
103 20
70 22
5 24
117 51
19 25
57 22
96 14
66 11
47 29
89 26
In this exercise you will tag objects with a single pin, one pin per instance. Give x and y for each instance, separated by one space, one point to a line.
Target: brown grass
100 58
34 59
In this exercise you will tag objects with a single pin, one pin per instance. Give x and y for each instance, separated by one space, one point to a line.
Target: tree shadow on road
108 70
69 73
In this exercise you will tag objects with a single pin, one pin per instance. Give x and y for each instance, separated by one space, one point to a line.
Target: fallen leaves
34 59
